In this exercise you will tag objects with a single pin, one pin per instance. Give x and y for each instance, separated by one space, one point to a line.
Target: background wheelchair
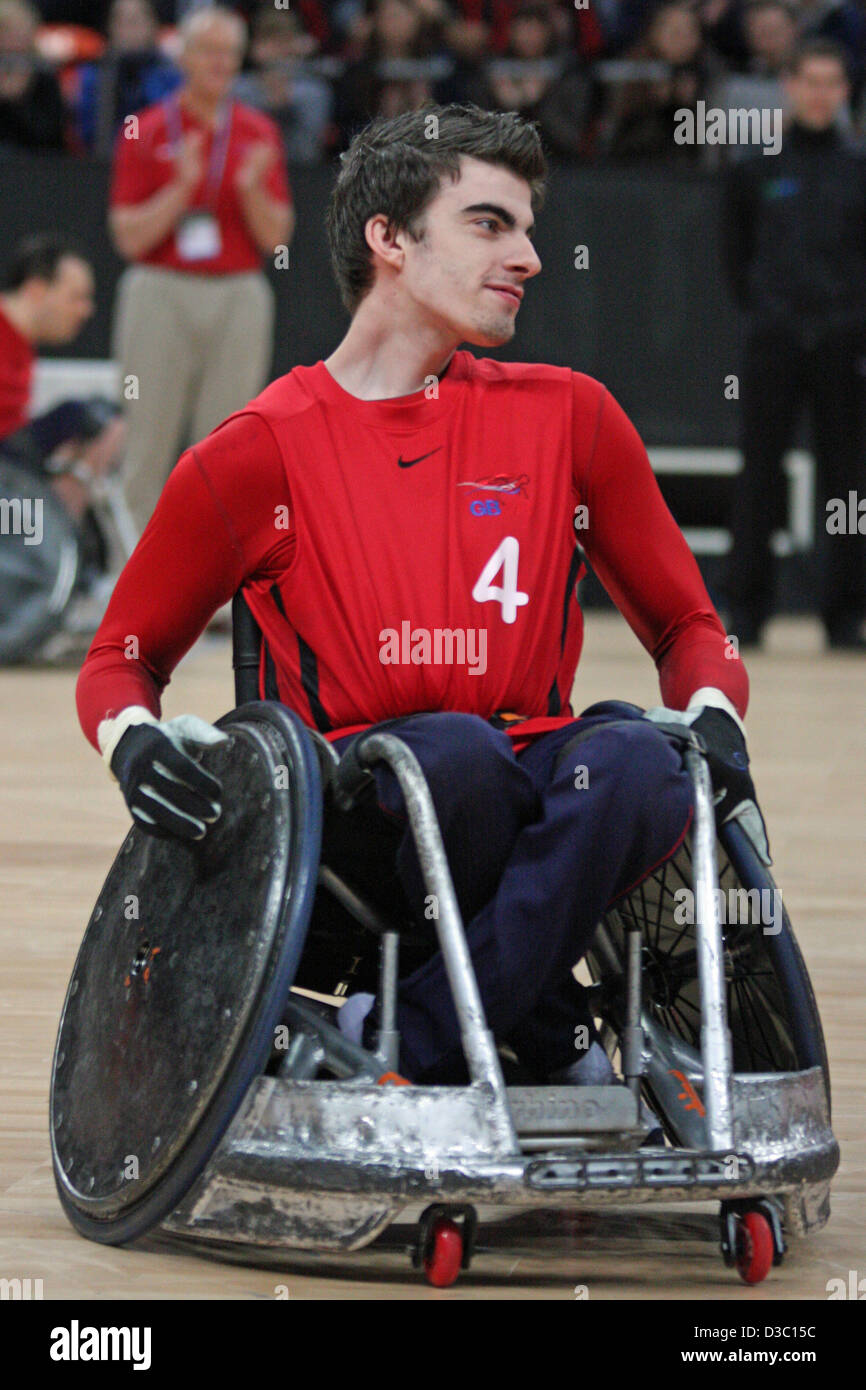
54 570
196 1092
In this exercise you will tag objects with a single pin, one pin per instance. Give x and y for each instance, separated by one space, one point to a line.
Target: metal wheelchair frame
327 1165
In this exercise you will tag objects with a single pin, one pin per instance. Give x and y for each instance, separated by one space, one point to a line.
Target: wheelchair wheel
180 981
772 1014
38 572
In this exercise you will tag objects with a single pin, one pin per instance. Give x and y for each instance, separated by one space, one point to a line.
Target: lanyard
219 145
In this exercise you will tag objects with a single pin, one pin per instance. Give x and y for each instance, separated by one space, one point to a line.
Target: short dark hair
818 48
37 257
395 166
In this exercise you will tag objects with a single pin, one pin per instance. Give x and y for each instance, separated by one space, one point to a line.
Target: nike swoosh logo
408 463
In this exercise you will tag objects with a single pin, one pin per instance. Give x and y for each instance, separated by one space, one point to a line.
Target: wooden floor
61 821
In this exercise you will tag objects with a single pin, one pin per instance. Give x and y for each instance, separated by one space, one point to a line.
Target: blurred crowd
602 77
201 109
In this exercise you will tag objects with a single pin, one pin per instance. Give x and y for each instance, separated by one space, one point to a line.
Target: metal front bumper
327 1166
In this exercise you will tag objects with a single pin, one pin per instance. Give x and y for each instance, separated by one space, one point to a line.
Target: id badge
198 237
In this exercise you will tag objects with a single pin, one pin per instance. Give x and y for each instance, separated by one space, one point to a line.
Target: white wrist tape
709 696
184 728
111 731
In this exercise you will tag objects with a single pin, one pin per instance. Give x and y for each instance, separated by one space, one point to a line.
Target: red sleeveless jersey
413 554
436 556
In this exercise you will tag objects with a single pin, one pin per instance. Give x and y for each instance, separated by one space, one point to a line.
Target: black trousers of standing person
779 376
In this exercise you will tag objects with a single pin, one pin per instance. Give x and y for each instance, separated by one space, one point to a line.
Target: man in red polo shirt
199 196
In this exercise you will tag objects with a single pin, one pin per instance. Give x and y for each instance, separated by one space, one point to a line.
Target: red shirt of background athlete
345 518
145 165
16 377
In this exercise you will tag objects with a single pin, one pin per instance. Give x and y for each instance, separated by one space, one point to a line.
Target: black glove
728 762
168 794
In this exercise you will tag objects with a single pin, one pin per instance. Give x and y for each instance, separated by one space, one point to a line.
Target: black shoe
846 635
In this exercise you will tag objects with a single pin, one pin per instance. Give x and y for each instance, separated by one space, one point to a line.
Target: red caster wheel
445 1254
754 1249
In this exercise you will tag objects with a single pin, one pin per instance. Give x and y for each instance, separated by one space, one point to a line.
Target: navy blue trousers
537 855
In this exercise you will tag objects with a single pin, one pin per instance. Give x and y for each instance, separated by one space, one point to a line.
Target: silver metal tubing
109 489
479 1048
346 1060
632 1038
388 1041
715 1035
348 898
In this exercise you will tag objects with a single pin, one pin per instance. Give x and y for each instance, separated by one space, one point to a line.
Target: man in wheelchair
395 512
54 462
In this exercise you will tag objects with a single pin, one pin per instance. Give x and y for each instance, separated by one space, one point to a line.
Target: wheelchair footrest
647 1169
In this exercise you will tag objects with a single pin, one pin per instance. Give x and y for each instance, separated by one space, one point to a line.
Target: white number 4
505 556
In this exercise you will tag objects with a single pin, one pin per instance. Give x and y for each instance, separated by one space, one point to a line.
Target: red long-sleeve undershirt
214 527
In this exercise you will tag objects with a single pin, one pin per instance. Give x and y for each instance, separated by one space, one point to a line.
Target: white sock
350 1019
592 1069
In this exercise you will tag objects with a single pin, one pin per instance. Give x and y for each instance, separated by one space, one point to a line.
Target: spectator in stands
399 70
197 200
542 75
351 22
770 30
300 102
314 16
31 107
133 73
566 110
45 300
471 31
478 27
534 59
722 25
578 29
623 22
842 21
671 71
563 19
726 25
771 36
796 261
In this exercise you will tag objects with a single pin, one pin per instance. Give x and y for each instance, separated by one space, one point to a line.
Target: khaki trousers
193 349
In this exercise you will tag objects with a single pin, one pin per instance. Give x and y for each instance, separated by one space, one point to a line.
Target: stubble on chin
497 330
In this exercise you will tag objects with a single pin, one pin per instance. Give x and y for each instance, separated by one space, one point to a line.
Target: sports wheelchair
197 1094
52 568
